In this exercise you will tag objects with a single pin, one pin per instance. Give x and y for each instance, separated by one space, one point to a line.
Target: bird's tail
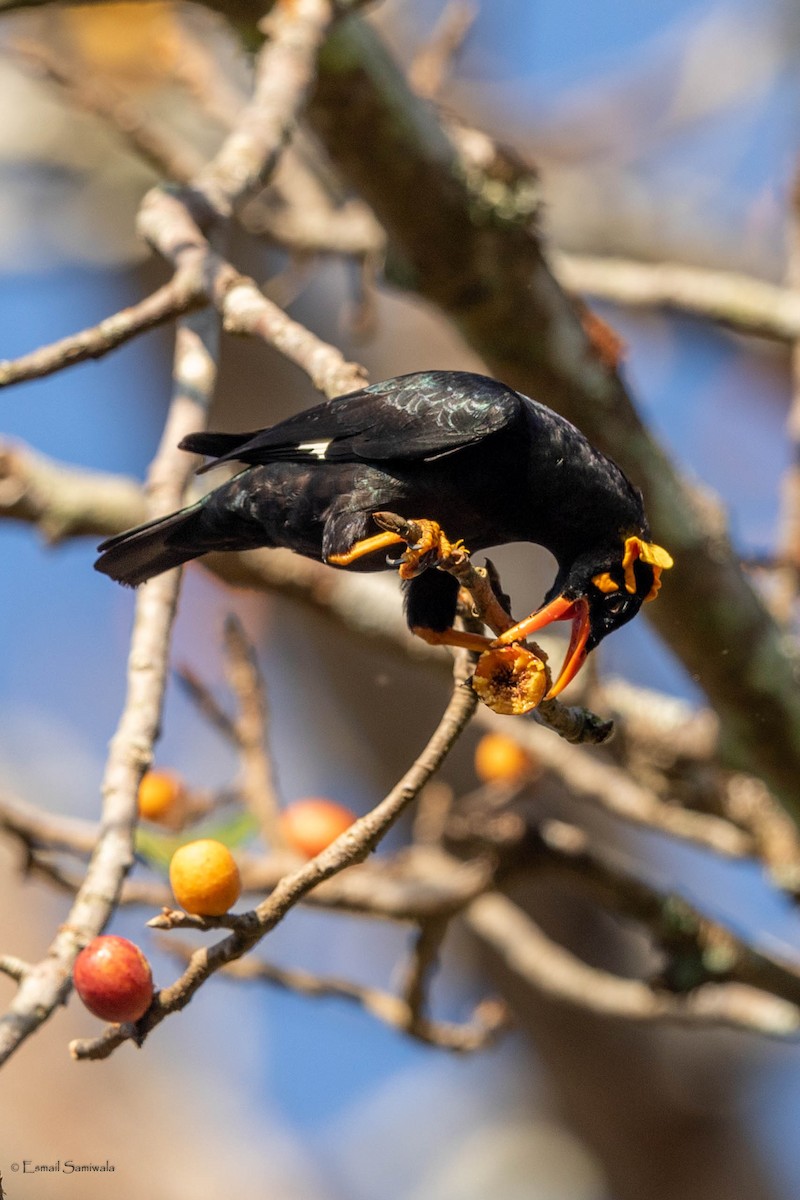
139 554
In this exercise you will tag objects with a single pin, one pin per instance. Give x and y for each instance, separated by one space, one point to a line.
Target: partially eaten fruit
510 679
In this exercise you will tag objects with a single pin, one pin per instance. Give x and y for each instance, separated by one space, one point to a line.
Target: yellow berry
499 759
162 797
309 826
205 878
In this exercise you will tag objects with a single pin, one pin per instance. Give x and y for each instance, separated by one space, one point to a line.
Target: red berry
113 979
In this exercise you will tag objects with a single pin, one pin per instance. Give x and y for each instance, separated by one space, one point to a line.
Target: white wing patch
318 449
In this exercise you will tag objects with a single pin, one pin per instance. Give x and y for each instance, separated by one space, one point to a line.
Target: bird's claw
433 547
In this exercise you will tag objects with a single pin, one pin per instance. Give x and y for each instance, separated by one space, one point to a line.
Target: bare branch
165 221
35 827
258 783
675 925
747 305
206 703
163 151
64 502
433 62
422 962
489 1019
555 972
184 292
14 967
285 71
591 778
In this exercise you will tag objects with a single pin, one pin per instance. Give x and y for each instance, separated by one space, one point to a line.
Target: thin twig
740 302
489 1019
13 967
285 71
433 62
258 782
157 146
184 292
558 974
206 703
422 961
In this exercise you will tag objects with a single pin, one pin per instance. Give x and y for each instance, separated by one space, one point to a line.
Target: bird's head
597 592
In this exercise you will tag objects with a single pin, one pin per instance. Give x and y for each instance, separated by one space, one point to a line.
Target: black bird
465 453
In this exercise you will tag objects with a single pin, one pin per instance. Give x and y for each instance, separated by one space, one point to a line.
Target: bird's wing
417 416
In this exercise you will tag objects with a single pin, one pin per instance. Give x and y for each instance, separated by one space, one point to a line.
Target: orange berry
113 979
308 826
162 797
205 878
499 759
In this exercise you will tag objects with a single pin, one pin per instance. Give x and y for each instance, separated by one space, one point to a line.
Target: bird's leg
378 541
453 637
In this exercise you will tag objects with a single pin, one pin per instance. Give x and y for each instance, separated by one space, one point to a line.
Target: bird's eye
615 604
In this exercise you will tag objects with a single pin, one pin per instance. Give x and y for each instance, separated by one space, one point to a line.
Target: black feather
430 600
136 556
420 416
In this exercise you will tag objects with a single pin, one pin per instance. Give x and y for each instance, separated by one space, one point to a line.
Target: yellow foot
366 546
432 547
453 637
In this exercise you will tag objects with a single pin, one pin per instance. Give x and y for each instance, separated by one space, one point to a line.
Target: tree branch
740 302
258 784
489 1020
559 975
184 292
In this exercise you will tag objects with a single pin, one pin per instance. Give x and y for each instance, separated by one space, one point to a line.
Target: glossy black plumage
488 464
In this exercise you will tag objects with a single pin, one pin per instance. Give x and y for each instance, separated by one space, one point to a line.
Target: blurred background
661 131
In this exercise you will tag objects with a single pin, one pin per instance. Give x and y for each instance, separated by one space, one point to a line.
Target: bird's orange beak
560 609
